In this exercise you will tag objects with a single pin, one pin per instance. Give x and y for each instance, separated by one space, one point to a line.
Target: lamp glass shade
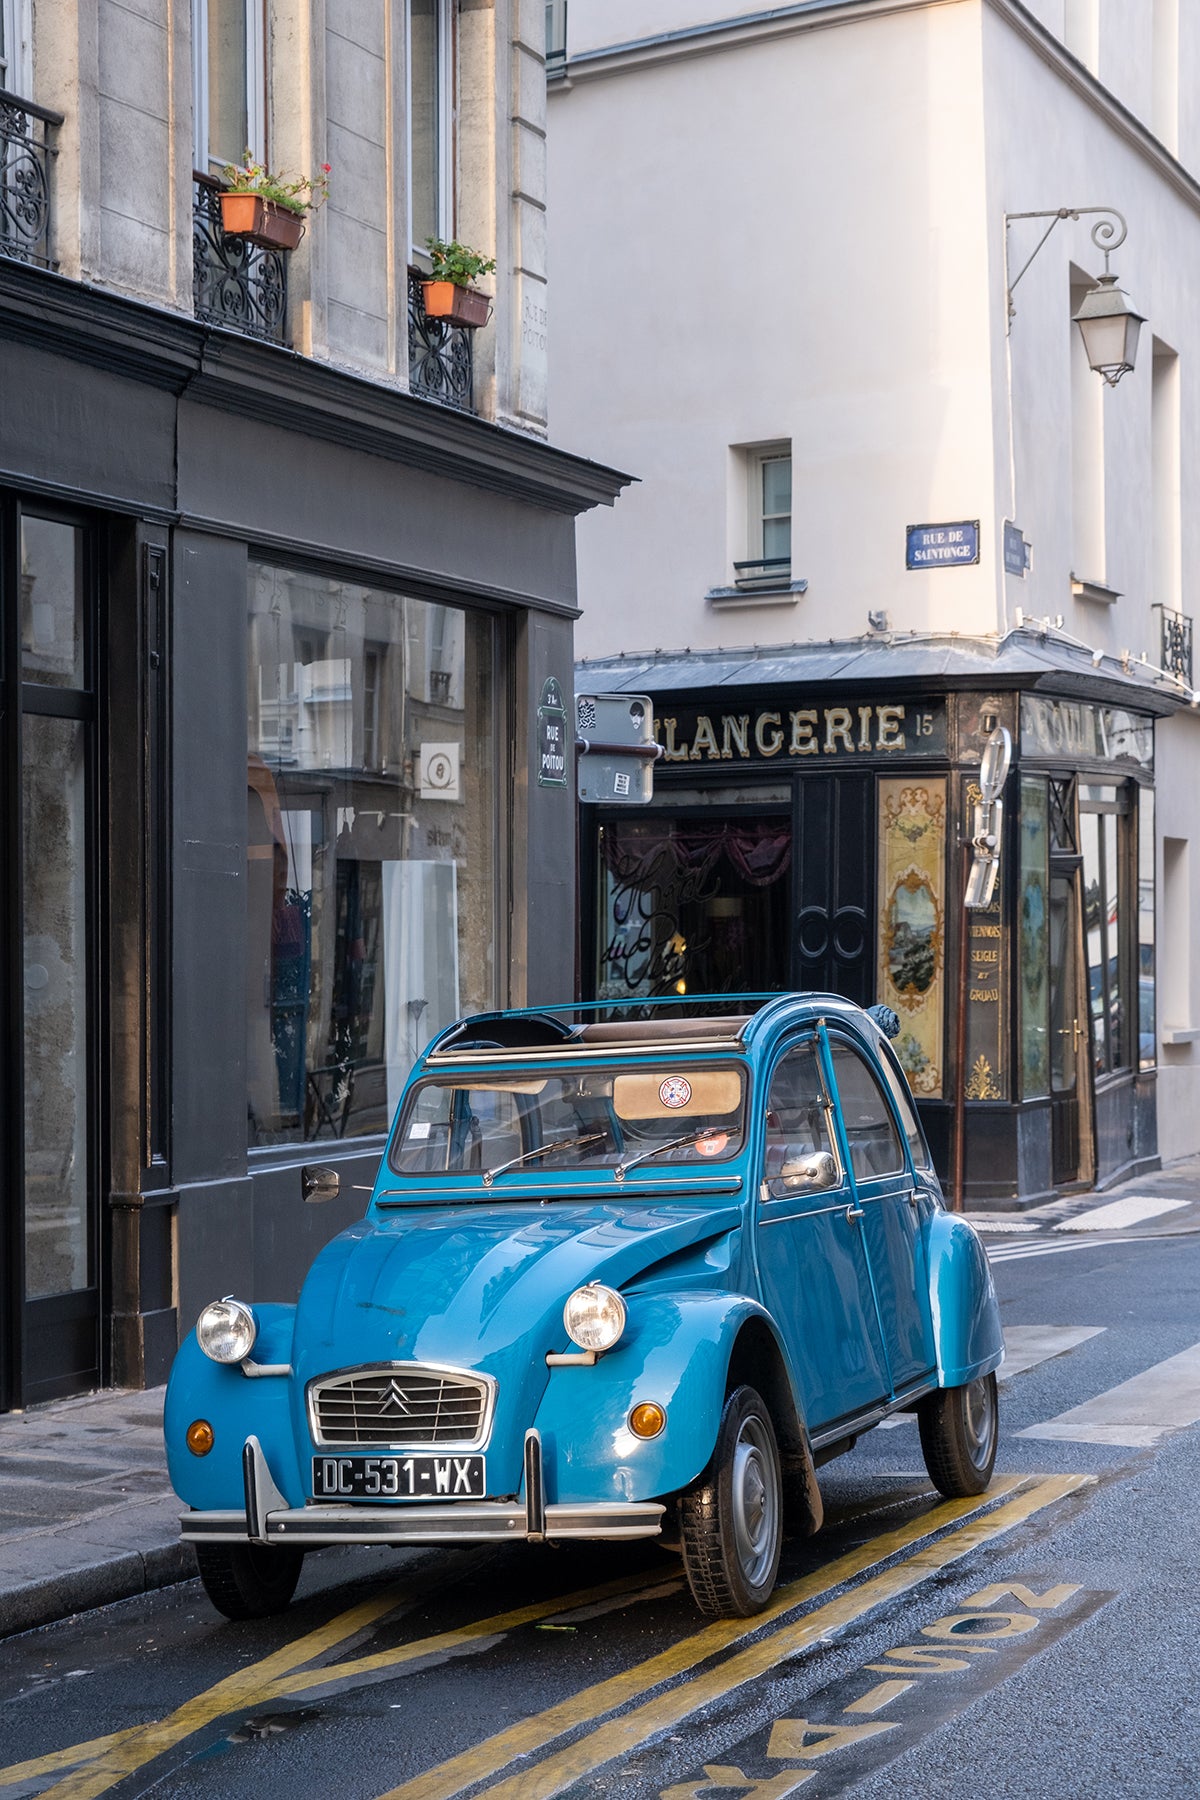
1109 328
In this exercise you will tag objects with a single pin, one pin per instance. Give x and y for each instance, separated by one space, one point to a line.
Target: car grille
400 1404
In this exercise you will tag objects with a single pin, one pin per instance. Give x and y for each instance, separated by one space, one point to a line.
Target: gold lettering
864 727
804 742
764 747
705 740
889 735
985 956
672 751
989 931
837 725
736 731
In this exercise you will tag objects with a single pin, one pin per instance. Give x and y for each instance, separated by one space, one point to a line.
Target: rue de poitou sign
801 735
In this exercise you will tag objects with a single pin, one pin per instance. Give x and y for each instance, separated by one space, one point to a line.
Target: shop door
51 1294
1070 1070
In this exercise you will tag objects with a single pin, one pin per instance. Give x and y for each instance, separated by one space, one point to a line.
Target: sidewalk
87 1515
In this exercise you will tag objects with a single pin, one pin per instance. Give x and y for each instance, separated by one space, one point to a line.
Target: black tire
731 1520
248 1581
960 1427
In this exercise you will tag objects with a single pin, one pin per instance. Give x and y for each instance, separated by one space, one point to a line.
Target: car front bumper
268 1519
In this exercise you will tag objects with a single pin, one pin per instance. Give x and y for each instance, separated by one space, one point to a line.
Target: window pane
1113 973
777 485
370 845
1146 971
51 603
777 538
873 1139
55 1041
228 80
1034 938
424 120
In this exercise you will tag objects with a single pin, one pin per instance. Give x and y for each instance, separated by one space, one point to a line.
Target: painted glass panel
1034 928
912 913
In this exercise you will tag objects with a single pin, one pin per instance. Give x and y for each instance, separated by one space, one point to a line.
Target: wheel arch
756 1360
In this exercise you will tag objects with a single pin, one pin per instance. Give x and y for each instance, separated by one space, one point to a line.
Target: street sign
1016 550
614 743
942 546
552 736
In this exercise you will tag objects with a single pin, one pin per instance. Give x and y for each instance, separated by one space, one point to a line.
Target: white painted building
780 272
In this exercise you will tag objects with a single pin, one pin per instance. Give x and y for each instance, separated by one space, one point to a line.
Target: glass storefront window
1102 830
1147 1032
1034 926
371 845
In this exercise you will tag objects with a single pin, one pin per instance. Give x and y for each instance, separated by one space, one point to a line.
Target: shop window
1147 1033
1104 831
431 120
229 81
371 846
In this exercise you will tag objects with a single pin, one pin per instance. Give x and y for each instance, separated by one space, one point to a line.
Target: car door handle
854 1212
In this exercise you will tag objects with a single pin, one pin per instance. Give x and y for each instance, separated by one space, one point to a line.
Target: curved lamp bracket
1108 234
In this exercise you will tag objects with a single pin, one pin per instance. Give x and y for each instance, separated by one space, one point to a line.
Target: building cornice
159 349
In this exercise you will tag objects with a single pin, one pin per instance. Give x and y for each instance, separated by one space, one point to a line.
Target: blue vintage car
617 1279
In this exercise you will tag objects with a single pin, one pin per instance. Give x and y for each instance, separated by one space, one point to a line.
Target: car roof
751 1020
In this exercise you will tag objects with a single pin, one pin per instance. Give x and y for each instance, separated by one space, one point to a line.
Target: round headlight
226 1330
594 1317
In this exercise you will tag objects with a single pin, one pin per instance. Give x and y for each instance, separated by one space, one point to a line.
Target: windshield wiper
679 1143
593 1137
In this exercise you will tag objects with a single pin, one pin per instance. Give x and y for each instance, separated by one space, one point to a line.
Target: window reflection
370 845
1103 902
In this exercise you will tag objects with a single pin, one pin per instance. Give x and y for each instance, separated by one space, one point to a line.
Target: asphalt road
1039 1643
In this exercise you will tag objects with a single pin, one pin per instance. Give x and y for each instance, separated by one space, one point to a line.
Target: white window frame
754 458
445 16
256 84
17 77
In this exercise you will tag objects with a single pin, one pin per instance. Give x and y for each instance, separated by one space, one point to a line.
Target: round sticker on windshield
675 1091
713 1144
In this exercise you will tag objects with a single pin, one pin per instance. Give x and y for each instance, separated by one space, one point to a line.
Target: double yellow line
103 1762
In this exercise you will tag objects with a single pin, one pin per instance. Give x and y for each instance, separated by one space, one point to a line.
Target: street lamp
1107 322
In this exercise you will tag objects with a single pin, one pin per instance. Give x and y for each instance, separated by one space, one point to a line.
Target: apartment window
768 559
15 75
556 37
229 81
431 119
372 856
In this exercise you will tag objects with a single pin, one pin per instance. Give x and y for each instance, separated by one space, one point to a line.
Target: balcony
234 283
1176 643
441 358
25 152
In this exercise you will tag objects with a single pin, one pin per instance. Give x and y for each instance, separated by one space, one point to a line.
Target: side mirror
318 1182
816 1171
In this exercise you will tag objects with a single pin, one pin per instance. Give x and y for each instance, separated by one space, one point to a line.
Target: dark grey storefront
272 644
807 831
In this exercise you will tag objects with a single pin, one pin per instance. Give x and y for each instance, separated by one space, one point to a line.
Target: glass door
1070 1068
52 1297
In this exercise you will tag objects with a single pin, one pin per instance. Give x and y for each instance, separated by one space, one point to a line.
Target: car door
812 1261
891 1203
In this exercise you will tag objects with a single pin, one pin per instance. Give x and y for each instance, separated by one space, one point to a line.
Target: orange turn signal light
200 1437
647 1419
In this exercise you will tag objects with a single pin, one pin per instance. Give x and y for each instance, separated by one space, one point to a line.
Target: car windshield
592 1119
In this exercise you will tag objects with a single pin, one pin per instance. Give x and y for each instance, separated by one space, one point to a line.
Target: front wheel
959 1428
248 1581
731 1519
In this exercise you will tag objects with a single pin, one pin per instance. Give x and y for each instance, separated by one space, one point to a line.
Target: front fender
676 1351
236 1406
966 1318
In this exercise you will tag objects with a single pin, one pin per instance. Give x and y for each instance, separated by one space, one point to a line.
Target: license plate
399 1478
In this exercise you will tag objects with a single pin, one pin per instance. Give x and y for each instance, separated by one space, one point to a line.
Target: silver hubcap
979 1419
755 1502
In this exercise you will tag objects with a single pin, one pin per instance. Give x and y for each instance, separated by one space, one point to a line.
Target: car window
797 1115
918 1148
874 1142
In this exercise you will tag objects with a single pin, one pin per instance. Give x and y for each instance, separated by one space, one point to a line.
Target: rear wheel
959 1428
248 1581
731 1520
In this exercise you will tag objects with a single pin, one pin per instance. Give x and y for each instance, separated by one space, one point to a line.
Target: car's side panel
966 1318
676 1351
236 1406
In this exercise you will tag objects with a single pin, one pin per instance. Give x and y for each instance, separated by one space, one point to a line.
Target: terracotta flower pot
260 221
463 306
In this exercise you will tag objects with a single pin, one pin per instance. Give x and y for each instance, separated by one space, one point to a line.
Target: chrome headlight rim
226 1330
595 1316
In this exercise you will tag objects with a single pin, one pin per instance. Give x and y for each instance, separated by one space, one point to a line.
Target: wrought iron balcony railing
1176 651
237 284
441 357
25 152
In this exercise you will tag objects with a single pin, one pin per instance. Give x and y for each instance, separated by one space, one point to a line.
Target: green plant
457 262
299 195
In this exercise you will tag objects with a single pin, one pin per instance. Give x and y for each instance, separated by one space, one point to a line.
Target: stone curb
26 1605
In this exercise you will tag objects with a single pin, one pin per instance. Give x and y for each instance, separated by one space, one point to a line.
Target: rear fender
681 1350
966 1318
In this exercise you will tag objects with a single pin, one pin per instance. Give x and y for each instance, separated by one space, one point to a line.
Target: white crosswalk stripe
1134 1209
1019 1252
1137 1413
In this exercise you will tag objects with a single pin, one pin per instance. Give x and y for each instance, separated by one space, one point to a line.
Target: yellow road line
296 1683
623 1734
